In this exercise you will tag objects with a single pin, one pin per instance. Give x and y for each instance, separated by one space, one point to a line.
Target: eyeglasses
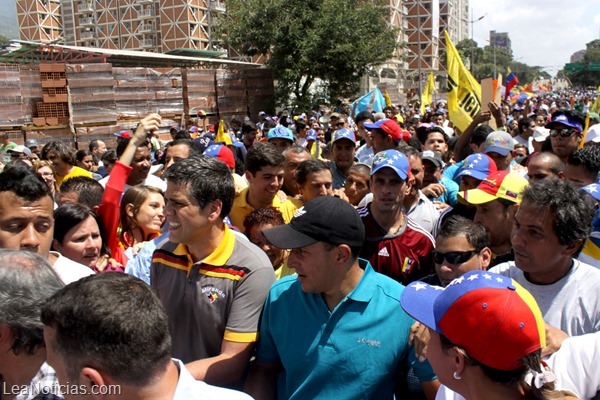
454 257
565 133
340 124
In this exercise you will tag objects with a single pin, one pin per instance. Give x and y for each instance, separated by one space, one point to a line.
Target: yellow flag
388 99
596 105
222 137
464 92
427 95
585 130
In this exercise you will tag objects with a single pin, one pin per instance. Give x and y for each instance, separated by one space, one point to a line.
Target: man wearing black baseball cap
337 315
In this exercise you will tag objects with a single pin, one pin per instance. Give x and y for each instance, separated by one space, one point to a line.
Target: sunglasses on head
454 257
566 132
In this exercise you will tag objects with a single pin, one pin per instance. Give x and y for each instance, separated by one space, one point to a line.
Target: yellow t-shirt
241 208
75 171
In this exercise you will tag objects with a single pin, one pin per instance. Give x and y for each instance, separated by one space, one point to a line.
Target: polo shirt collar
223 251
363 292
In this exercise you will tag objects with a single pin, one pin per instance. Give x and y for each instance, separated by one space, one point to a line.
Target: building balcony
146 28
86 21
88 35
147 13
146 43
217 5
85 7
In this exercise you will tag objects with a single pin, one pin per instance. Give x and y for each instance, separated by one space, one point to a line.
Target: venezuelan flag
511 81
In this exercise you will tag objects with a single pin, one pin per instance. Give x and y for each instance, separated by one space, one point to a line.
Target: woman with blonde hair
141 215
487 333
44 169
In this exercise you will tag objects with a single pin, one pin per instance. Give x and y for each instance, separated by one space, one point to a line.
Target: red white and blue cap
280 132
479 166
562 120
343 133
390 127
193 129
124 134
391 159
493 318
221 152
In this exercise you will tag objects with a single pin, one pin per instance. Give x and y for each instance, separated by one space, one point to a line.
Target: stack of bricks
92 95
10 95
139 91
54 109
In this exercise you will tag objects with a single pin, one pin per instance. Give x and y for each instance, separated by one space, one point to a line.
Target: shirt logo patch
212 293
383 252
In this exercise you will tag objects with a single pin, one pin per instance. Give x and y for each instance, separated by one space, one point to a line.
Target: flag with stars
491 316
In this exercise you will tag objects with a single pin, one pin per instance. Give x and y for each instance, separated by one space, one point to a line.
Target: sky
543 32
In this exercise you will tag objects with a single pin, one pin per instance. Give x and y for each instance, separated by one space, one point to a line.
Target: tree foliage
484 60
587 77
335 41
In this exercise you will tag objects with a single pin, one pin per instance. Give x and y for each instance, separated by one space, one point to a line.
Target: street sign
594 66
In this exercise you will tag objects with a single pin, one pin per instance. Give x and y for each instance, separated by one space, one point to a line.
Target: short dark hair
248 127
309 166
65 153
362 116
263 155
89 191
572 209
524 123
480 133
589 158
263 215
27 281
24 183
110 157
182 134
93 144
457 225
81 154
193 147
128 336
207 178
122 145
555 166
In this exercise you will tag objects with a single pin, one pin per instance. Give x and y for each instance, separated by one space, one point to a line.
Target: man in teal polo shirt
335 330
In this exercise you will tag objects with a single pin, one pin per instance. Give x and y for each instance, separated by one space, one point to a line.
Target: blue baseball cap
565 120
391 159
479 166
343 133
280 132
311 135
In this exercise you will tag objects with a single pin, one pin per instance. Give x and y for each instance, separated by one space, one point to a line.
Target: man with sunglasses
461 246
566 130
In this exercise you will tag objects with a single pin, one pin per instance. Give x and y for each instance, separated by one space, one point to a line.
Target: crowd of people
314 256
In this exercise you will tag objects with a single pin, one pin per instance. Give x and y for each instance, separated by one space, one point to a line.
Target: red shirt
405 256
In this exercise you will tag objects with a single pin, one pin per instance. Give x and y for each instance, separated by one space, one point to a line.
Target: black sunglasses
454 257
565 133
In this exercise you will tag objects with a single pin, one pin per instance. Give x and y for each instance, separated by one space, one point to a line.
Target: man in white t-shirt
27 220
551 225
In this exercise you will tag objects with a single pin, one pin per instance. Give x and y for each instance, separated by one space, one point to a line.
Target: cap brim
475 174
398 172
286 237
418 299
500 150
476 196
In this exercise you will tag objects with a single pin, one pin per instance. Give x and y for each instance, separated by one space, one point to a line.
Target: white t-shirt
151 180
190 389
572 304
68 270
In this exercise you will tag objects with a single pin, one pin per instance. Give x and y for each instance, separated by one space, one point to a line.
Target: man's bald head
545 165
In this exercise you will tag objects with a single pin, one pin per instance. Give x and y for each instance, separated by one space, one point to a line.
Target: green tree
4 41
334 41
587 77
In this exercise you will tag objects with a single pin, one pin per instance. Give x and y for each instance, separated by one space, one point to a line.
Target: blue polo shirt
355 351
